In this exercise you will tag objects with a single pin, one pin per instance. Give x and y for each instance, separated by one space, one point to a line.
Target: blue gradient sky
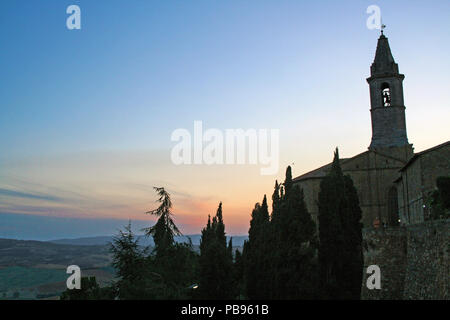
86 115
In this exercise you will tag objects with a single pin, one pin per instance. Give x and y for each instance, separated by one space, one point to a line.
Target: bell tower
386 99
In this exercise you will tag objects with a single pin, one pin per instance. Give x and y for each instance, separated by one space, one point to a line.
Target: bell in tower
386 95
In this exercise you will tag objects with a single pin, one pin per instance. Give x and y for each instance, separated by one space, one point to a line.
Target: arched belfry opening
393 216
386 94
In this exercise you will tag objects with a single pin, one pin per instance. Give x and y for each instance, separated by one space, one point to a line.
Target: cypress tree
294 258
340 233
257 254
280 255
230 250
238 272
216 264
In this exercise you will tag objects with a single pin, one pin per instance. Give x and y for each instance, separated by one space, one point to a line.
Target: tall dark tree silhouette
294 265
257 254
129 263
276 200
280 256
164 231
238 274
340 233
216 265
174 267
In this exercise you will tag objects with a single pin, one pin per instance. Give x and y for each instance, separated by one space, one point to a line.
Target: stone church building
392 181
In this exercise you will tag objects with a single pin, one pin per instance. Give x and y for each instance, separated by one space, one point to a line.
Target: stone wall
413 260
386 248
418 179
428 271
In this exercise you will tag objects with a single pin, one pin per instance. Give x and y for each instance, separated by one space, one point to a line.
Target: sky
86 116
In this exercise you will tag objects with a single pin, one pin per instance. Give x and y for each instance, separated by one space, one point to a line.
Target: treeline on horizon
286 256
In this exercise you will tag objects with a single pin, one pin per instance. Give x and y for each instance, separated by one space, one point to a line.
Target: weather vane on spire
382 27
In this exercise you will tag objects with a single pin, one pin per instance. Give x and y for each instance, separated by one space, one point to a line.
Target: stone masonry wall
413 260
427 273
386 248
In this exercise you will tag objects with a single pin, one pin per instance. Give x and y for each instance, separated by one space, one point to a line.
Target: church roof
419 154
314 174
318 173
322 171
384 62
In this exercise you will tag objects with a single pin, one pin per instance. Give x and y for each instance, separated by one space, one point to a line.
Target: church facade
392 182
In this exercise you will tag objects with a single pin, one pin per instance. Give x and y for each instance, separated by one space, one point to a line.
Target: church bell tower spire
386 99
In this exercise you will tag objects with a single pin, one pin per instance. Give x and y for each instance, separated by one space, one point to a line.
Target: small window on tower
386 94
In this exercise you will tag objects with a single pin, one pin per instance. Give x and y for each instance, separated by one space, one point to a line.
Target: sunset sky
86 116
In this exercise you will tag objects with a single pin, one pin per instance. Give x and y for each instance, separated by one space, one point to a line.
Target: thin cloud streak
20 194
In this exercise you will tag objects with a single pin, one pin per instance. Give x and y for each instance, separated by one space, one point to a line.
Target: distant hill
37 269
86 241
91 252
238 241
28 253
